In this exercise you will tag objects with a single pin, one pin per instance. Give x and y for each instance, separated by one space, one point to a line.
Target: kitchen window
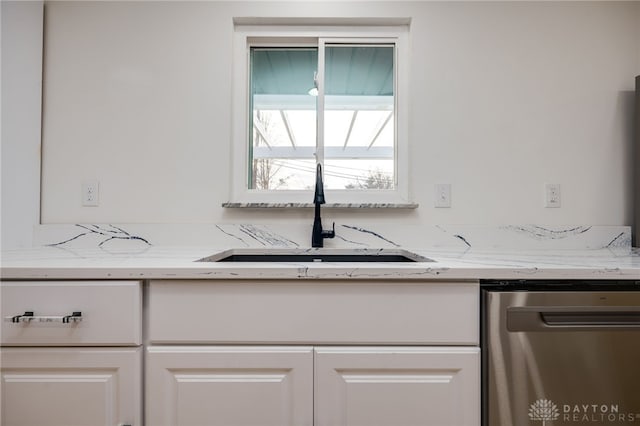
318 94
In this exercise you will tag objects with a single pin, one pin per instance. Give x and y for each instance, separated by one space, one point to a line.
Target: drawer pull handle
18 317
75 316
28 317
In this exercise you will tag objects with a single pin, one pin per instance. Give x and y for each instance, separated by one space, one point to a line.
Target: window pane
358 174
277 173
283 118
359 117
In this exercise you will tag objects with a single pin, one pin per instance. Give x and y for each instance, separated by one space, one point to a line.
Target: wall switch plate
552 195
443 195
90 193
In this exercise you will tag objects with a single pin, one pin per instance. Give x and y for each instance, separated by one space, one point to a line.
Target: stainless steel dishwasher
561 353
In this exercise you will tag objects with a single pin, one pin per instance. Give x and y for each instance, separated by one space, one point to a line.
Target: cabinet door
230 386
71 387
397 386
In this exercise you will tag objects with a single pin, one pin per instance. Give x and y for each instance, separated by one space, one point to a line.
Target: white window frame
245 35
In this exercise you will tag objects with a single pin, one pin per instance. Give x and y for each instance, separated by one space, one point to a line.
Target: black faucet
318 235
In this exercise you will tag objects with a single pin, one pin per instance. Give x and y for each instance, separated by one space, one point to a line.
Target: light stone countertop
180 263
106 251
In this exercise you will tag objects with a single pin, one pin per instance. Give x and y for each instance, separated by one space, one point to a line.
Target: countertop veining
89 251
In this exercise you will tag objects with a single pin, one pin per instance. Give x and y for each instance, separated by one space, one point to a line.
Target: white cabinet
229 386
344 386
71 386
376 386
349 353
314 312
71 353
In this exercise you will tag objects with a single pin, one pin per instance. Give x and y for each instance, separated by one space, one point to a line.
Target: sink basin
315 255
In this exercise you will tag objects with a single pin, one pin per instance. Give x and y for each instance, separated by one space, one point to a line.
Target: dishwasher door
561 358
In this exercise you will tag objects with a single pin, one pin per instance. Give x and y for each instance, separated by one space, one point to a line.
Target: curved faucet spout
318 234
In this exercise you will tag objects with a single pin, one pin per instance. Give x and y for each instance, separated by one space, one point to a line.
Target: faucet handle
330 234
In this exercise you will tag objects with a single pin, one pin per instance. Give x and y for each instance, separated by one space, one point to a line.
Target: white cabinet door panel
71 387
230 386
397 386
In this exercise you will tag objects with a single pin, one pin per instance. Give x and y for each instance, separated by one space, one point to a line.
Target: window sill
230 205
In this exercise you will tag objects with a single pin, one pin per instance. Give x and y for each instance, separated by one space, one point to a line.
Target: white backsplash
222 236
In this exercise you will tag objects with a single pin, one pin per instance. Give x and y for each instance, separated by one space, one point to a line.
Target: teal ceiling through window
359 70
349 70
282 71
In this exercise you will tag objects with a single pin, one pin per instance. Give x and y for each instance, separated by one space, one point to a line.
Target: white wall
21 107
638 38
638 34
505 97
519 94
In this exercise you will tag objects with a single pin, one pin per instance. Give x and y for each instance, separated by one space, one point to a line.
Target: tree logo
544 410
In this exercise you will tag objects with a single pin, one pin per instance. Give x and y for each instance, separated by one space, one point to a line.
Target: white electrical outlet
90 193
552 195
442 195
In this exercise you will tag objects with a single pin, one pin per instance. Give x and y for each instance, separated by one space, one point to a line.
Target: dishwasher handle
571 318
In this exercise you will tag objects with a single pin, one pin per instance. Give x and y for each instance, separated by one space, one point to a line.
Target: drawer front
107 313
314 312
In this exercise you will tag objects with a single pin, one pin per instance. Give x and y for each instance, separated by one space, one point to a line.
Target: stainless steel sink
315 255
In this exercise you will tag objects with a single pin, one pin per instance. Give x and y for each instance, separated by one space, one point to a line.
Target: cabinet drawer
109 313
314 312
